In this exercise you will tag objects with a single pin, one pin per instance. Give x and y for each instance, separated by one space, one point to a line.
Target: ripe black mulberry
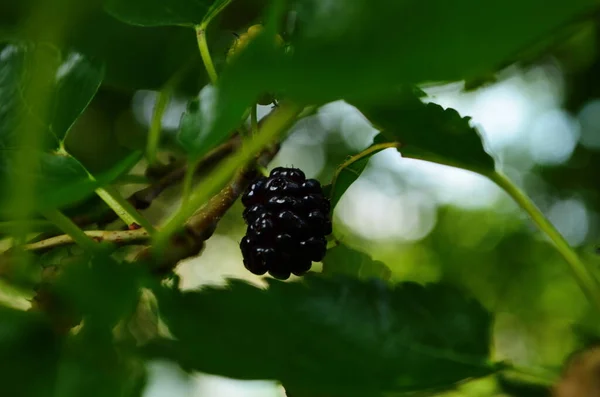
288 218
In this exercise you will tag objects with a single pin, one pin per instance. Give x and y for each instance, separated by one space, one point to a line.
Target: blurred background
540 120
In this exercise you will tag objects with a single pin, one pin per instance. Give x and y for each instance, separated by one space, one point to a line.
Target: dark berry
288 218
281 185
253 212
255 192
280 270
311 186
294 174
316 201
300 266
314 248
292 223
280 203
263 228
285 243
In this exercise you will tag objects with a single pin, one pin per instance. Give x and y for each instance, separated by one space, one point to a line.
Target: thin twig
143 198
118 237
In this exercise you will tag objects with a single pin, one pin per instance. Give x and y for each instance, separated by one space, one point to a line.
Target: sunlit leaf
428 132
312 335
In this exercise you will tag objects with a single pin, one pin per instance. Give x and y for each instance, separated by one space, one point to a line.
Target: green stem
71 229
254 119
156 125
123 208
538 376
188 181
163 99
281 119
205 53
582 273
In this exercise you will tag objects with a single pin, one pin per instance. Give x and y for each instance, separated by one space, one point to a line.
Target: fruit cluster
288 218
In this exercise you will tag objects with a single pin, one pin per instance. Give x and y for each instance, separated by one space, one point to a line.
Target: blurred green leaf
61 180
130 52
100 289
364 48
196 135
214 10
159 12
428 132
30 351
92 365
312 335
238 88
77 79
349 171
345 260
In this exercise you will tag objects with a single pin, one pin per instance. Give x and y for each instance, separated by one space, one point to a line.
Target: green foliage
345 260
311 335
138 57
351 331
59 178
349 171
196 135
407 42
428 132
29 346
157 12
76 81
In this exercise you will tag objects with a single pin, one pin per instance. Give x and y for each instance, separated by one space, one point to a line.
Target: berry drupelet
288 218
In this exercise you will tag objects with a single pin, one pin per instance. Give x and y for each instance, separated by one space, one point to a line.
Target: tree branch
201 226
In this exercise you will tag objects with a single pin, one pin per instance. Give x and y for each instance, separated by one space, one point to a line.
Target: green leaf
100 289
130 53
30 349
329 336
92 365
76 81
345 260
159 12
196 135
365 48
214 10
60 179
213 119
428 132
349 171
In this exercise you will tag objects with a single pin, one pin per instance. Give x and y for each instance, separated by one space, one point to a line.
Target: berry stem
71 229
205 53
582 273
273 125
